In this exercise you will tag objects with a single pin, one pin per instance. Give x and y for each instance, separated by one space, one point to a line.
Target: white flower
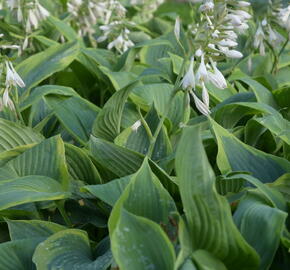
136 125
177 28
32 19
202 107
12 4
7 101
243 3
207 6
42 13
242 14
217 78
284 17
230 53
19 14
12 77
215 34
205 95
259 40
234 19
202 74
188 81
227 43
199 53
250 64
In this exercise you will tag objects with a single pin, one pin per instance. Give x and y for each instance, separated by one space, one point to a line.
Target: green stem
61 209
145 125
15 100
276 58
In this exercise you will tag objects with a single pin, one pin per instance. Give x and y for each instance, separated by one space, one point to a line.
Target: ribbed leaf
208 214
120 161
138 243
46 158
234 155
229 115
111 191
139 140
69 249
42 65
144 196
159 94
261 225
26 229
80 166
108 123
17 254
77 116
30 189
13 135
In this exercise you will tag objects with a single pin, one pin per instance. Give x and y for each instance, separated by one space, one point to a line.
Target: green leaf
144 196
17 254
139 140
29 189
111 191
262 93
159 94
40 92
13 135
69 249
119 79
227 184
229 115
42 65
63 27
26 229
261 225
118 160
46 159
208 214
108 123
138 243
77 116
234 155
277 125
206 261
80 166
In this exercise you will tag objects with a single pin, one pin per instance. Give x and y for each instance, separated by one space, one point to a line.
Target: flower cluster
146 8
121 42
215 38
12 80
87 13
284 17
265 34
29 13
115 28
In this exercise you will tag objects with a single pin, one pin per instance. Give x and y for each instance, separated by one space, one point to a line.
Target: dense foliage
142 135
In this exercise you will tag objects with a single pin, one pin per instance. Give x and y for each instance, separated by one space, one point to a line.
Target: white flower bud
227 43
217 78
136 125
177 28
203 108
202 74
188 81
243 3
12 77
199 53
